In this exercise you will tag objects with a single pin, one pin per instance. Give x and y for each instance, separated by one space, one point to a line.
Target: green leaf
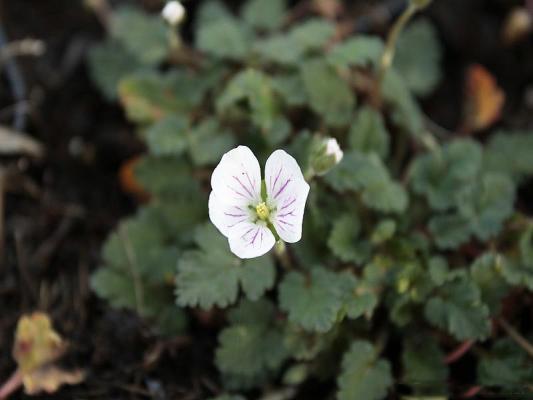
311 301
384 231
290 48
257 276
358 296
210 11
224 37
386 196
313 34
279 49
441 174
256 89
344 240
457 308
506 366
206 279
208 141
291 88
487 203
449 231
212 275
423 364
168 136
363 375
368 133
144 35
355 171
267 15
438 270
148 97
250 346
366 172
486 271
329 95
109 62
405 111
138 270
418 56
356 52
510 153
520 271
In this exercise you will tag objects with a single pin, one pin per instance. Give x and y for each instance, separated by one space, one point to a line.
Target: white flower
249 216
333 149
173 13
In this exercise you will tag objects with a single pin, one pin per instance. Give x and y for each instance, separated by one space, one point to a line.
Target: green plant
410 239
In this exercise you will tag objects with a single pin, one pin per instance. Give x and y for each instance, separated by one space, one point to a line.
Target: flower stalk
390 46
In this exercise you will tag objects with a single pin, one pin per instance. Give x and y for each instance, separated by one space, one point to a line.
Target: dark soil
59 210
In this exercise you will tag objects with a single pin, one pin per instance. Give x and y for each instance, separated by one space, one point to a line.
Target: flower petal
225 216
287 191
237 178
249 240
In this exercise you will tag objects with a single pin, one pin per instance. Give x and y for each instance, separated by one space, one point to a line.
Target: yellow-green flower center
262 211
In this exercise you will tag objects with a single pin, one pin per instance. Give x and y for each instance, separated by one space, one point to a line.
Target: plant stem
390 46
392 38
13 383
133 268
516 336
282 255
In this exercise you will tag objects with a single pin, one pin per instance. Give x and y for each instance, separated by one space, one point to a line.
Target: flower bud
173 13
325 154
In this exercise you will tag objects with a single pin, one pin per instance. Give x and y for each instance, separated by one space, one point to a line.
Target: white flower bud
333 149
173 13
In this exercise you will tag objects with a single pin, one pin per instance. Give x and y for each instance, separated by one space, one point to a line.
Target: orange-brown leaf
484 99
129 182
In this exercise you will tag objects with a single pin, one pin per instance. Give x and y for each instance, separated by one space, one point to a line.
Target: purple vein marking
237 192
247 232
255 236
234 215
282 188
285 222
288 204
276 180
261 244
244 187
252 185
236 223
288 213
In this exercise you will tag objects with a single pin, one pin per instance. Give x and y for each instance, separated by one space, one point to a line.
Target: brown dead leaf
484 99
129 183
36 342
37 345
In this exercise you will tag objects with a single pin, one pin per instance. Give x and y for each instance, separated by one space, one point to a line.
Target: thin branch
133 267
516 336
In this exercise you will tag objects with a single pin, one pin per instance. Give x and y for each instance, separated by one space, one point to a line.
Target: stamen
262 211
